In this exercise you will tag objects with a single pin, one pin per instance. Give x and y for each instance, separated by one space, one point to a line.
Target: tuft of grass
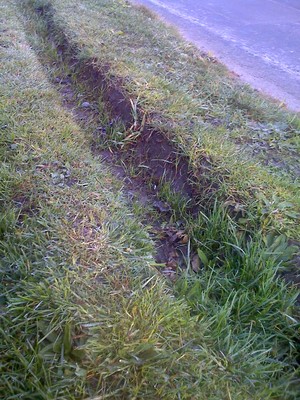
83 314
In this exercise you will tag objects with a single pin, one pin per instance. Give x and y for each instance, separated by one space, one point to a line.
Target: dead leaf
185 239
172 264
196 263
179 236
169 273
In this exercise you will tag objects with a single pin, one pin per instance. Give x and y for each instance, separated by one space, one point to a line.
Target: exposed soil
170 238
25 206
154 157
101 83
154 151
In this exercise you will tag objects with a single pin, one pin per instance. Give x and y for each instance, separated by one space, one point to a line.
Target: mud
152 148
170 238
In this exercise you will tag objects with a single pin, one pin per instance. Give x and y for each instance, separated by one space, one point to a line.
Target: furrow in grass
83 314
251 214
168 81
69 327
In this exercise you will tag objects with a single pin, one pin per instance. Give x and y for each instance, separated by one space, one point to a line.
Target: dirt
151 151
170 238
155 151
25 206
163 162
100 83
152 154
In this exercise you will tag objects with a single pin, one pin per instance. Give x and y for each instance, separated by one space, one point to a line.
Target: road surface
257 39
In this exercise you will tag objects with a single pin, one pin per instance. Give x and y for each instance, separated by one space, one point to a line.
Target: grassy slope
81 310
58 243
197 104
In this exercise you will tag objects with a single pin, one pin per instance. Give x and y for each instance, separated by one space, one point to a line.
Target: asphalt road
257 39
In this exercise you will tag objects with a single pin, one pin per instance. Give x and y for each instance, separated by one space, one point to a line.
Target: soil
151 149
155 151
151 153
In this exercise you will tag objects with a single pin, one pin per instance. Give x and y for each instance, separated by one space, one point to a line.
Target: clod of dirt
161 206
179 236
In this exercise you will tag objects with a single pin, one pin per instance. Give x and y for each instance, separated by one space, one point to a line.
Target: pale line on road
285 5
267 58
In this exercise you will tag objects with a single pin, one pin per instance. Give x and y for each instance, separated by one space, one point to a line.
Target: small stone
172 264
85 104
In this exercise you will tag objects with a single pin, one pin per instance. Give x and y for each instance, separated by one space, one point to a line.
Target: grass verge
83 314
249 147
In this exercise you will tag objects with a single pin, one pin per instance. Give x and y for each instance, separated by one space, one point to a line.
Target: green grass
83 312
193 100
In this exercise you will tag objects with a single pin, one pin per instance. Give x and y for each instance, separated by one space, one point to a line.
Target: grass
252 144
84 315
